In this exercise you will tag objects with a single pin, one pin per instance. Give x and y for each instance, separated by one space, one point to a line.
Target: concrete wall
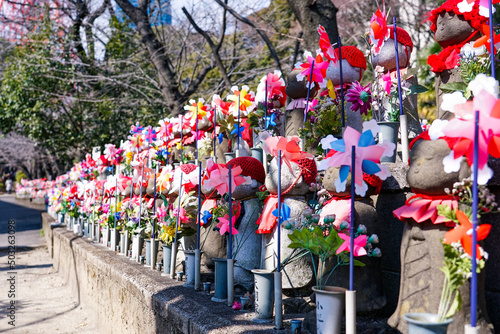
126 297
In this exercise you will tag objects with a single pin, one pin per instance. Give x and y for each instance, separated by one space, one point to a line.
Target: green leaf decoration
453 87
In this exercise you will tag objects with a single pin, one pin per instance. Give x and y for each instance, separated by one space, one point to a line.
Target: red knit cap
473 16
187 168
309 169
250 166
403 36
353 55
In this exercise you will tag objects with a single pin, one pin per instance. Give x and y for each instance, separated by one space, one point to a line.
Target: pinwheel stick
215 135
403 118
278 316
473 285
182 137
174 246
230 261
196 143
308 93
492 39
342 112
350 314
265 101
238 131
140 202
197 252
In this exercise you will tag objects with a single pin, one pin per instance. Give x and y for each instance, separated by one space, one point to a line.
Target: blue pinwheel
134 129
206 217
285 212
150 134
238 130
270 120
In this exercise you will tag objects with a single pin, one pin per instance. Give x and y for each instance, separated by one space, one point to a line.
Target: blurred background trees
77 73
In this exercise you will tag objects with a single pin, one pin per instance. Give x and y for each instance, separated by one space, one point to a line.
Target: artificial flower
360 97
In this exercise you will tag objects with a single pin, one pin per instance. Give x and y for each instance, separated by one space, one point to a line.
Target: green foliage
322 122
20 175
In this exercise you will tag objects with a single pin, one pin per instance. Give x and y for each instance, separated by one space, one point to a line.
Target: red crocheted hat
309 169
187 168
251 167
473 16
403 36
353 55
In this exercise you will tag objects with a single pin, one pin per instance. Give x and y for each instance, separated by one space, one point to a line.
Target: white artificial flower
484 82
465 7
371 125
451 100
451 164
436 128
485 11
483 175
327 141
469 50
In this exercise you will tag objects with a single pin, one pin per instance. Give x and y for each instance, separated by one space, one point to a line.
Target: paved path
42 301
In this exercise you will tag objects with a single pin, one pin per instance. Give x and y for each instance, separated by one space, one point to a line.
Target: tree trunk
312 13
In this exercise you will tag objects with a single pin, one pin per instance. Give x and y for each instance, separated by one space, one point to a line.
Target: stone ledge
127 297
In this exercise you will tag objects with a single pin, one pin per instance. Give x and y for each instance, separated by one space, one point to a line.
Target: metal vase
220 294
264 295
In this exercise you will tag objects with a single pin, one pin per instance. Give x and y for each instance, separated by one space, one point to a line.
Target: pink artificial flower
360 97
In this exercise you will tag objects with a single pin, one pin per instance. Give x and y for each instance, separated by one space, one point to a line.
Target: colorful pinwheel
368 155
318 70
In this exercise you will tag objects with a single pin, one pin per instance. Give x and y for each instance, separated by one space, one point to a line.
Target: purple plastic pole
196 148
353 194
279 212
308 91
199 206
492 42
182 137
230 241
473 285
238 131
154 206
397 66
341 84
215 133
265 102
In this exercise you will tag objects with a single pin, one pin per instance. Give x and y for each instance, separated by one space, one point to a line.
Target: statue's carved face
452 29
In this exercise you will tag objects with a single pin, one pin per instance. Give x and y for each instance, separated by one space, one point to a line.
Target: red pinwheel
462 233
486 39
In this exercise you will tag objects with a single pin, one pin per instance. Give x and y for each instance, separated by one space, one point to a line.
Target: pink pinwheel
164 179
161 212
223 225
378 25
462 127
318 71
183 218
368 155
163 131
123 182
290 150
110 151
219 179
359 244
150 134
134 129
275 87
325 45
